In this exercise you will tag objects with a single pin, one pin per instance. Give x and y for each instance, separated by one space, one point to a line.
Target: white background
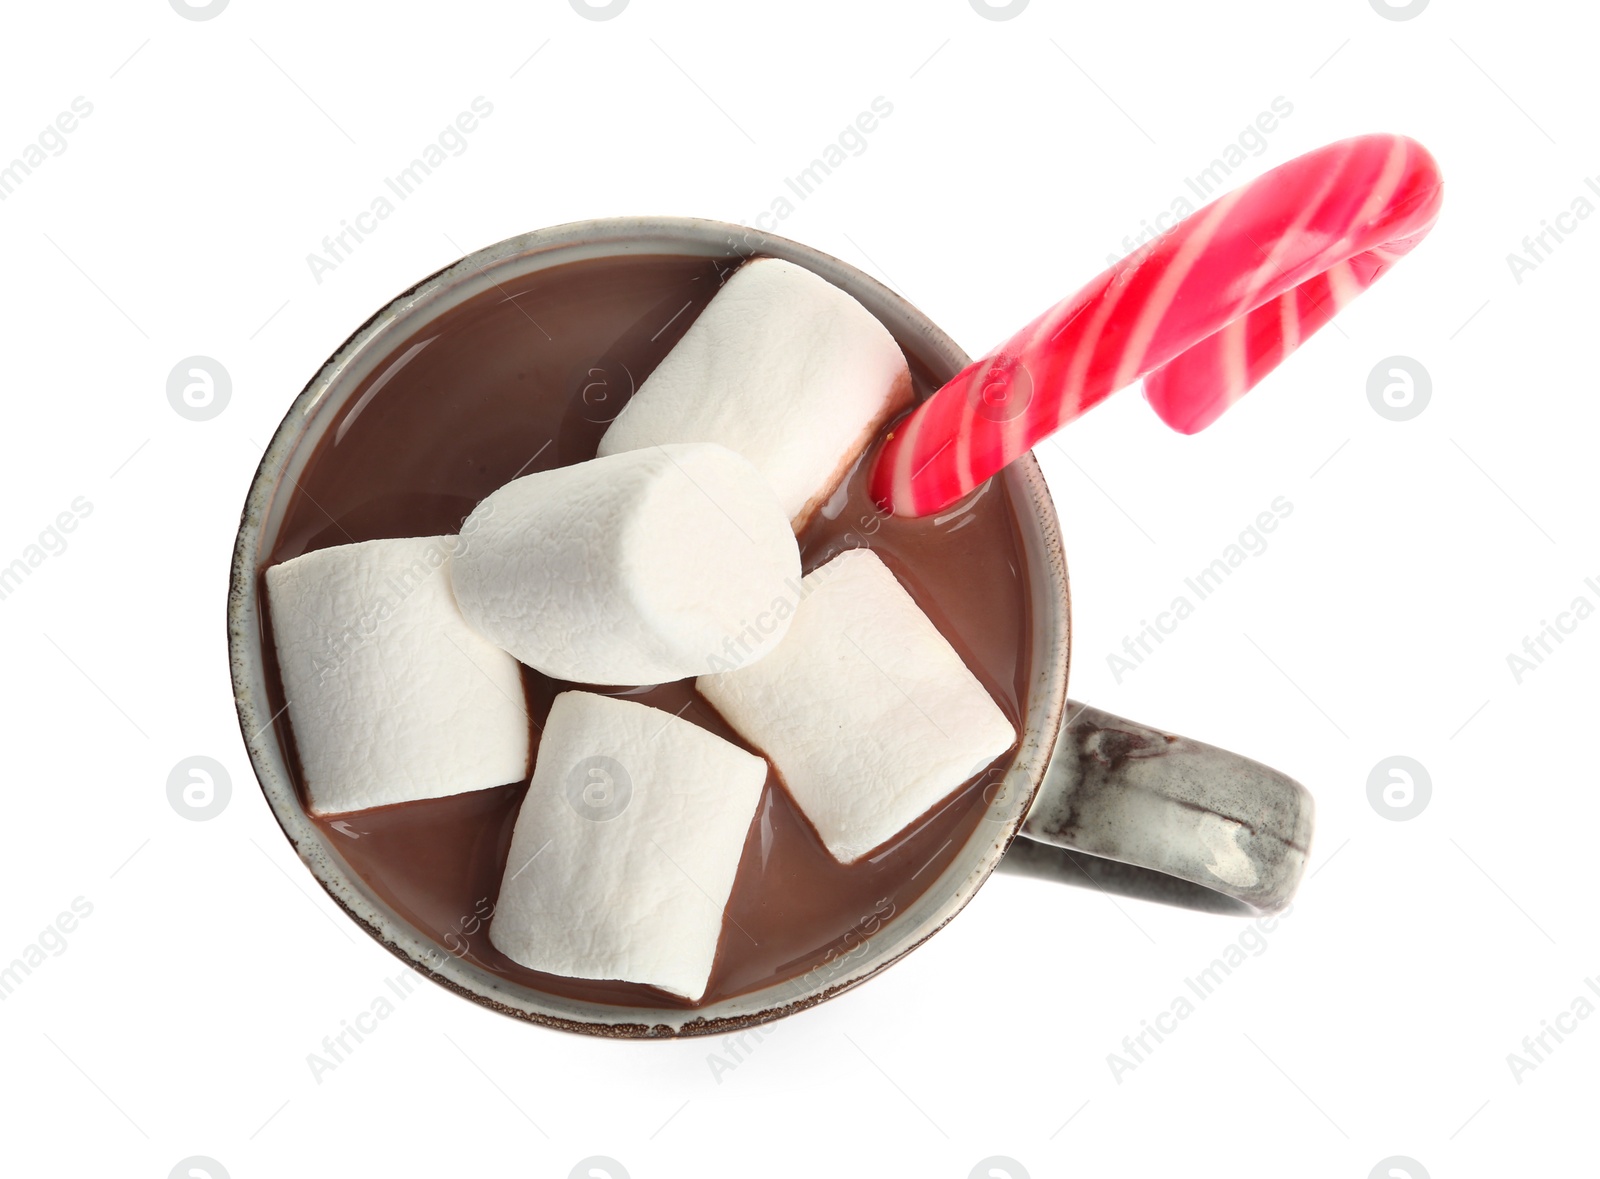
1378 1020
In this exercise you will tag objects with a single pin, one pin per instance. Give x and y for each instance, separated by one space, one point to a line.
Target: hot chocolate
526 379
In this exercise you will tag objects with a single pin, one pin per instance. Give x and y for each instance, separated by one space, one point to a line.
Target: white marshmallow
784 368
640 568
867 713
626 846
391 696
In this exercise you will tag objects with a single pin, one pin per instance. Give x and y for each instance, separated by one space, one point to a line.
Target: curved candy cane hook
1202 313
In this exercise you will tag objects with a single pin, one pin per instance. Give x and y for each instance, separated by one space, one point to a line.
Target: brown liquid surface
525 379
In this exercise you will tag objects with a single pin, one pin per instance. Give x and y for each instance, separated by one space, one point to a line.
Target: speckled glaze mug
1095 798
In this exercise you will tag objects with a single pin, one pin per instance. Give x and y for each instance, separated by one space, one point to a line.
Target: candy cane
1202 313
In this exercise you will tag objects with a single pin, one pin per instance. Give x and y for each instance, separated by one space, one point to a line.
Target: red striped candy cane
1202 313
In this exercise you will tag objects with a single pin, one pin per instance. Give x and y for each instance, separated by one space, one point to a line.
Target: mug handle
1167 805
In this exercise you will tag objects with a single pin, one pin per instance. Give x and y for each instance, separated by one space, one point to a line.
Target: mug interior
319 406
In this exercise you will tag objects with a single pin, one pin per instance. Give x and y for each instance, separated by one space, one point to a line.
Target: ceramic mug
1158 814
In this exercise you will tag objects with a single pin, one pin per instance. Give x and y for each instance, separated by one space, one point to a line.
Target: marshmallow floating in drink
392 697
868 714
782 367
638 568
626 846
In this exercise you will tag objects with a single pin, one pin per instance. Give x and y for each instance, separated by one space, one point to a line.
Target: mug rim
319 403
